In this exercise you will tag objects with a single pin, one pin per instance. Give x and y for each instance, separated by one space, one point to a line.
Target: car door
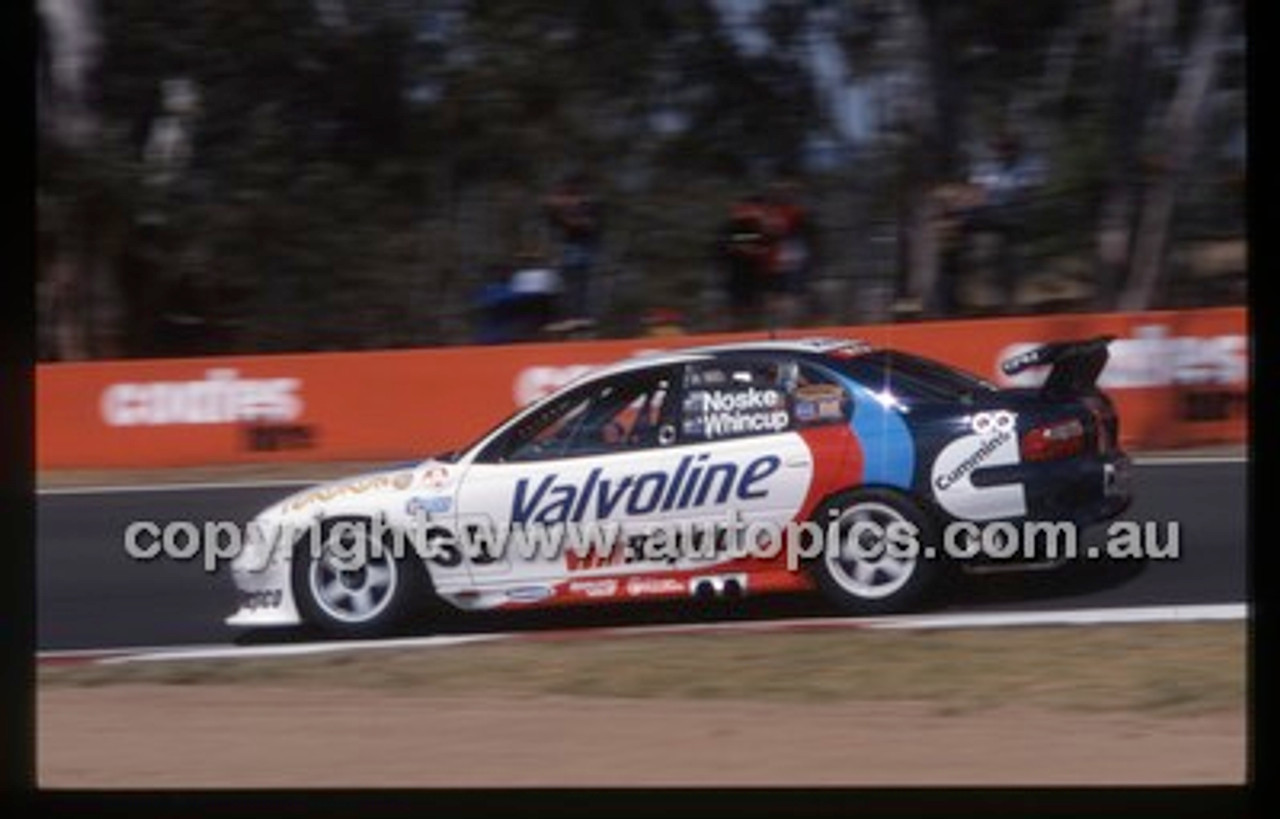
604 451
739 414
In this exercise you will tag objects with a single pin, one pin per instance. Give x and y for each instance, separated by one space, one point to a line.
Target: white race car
765 434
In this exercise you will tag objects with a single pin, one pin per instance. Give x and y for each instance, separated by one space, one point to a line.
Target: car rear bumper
1081 491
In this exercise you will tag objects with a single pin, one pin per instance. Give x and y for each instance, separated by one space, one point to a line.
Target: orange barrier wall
1178 378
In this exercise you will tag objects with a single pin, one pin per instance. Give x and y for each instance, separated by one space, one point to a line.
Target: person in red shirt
790 238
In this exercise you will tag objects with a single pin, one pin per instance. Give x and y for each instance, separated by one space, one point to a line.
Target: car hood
425 476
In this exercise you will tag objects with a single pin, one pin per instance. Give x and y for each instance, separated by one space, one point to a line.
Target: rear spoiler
1075 365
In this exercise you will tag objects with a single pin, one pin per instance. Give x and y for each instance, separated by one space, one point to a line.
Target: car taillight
1049 442
1104 423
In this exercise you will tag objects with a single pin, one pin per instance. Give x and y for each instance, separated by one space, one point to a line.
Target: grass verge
1159 669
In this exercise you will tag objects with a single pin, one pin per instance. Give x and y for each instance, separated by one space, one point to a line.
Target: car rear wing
1075 365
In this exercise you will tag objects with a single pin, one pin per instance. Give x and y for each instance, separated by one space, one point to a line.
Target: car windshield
911 378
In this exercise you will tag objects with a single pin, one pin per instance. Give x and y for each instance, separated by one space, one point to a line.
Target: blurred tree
1184 124
314 174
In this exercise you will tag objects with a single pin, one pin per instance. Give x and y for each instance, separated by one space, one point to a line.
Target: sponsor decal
737 400
429 505
435 477
722 412
398 480
529 594
594 588
264 599
624 551
819 392
988 423
695 482
278 437
639 586
992 442
819 402
221 397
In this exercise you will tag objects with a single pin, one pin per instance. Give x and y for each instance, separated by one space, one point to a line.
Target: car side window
542 434
626 414
736 397
618 415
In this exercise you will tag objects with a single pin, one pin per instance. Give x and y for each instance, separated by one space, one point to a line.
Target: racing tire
371 599
859 582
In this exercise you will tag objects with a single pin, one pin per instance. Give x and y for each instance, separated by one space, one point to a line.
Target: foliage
350 178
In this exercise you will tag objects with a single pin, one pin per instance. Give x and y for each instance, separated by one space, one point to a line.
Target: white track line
1073 617
215 651
301 649
998 619
1188 460
1068 617
213 486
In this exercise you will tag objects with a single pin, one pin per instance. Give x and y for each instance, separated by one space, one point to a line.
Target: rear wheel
349 597
873 565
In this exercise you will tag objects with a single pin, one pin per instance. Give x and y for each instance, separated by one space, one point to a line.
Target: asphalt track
92 595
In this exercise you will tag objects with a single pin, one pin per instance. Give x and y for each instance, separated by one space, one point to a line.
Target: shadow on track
1071 580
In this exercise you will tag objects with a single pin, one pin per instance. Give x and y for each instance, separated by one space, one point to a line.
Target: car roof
817 345
813 346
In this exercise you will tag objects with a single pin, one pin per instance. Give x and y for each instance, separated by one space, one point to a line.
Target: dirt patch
154 736
1066 705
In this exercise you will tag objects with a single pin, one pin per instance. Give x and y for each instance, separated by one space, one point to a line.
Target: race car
712 446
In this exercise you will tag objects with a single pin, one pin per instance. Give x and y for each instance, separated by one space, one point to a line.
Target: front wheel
871 560
352 591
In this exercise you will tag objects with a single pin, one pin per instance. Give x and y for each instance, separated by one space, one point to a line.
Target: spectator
952 207
535 290
494 304
1004 183
789 230
575 215
744 248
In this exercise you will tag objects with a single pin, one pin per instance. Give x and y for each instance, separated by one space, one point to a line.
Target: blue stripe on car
888 450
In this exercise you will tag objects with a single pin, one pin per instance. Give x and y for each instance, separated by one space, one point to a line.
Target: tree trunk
71 45
65 307
1126 62
921 249
1059 65
1182 129
937 131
